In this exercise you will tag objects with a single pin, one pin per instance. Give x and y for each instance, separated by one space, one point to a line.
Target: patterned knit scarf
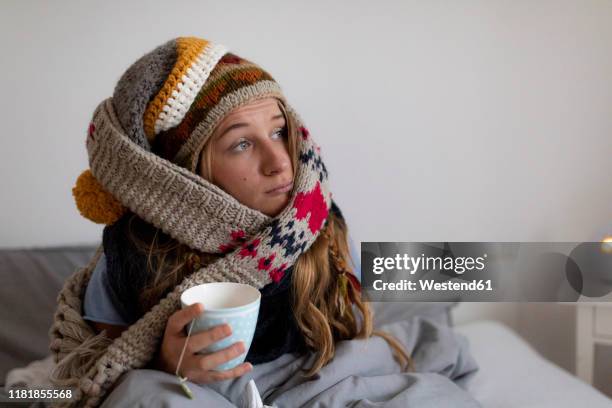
258 248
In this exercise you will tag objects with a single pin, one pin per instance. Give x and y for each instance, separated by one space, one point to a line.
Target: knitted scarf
127 273
258 248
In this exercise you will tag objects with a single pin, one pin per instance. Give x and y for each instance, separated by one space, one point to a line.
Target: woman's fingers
199 368
204 339
204 377
210 361
181 317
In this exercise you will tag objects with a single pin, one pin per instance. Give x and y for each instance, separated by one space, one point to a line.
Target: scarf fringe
79 361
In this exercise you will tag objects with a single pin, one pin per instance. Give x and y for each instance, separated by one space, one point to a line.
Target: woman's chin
276 205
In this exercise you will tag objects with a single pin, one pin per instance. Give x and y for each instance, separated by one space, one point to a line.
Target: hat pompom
95 203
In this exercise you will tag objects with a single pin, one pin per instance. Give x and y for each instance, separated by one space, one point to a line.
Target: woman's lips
281 190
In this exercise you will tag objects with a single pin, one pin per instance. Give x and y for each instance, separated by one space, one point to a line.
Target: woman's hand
196 367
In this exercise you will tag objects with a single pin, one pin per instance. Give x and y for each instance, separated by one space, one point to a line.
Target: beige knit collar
197 212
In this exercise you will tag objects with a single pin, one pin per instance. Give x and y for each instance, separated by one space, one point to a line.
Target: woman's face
250 156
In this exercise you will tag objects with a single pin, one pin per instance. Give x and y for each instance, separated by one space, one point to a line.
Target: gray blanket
363 373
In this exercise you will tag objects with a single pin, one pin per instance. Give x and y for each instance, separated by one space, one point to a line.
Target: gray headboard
30 280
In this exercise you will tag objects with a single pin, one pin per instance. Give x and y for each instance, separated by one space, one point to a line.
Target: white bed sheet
513 374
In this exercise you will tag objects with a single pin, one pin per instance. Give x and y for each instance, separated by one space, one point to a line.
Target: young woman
203 172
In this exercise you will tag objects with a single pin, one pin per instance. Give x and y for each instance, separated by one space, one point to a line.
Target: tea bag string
183 380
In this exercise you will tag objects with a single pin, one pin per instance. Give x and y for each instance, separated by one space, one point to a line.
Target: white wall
439 121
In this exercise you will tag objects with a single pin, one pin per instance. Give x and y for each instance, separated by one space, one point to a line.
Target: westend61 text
428 284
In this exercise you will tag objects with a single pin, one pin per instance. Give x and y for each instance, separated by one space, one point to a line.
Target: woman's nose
276 160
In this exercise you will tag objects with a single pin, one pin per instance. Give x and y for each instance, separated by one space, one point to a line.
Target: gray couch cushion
30 280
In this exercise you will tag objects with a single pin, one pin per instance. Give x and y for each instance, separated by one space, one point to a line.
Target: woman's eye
280 132
242 145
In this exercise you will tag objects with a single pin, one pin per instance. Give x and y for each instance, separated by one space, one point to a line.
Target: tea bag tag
184 387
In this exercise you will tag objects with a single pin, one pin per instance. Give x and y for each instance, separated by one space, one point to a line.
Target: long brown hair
317 291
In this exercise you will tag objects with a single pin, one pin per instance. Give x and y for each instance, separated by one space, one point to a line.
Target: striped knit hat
169 102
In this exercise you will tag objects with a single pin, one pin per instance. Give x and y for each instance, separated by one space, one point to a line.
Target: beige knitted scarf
195 212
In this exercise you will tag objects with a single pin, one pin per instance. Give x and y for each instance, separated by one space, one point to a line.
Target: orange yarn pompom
95 203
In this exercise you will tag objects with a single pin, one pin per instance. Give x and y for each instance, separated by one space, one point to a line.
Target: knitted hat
169 102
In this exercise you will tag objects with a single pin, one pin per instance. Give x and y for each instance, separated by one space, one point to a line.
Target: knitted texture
89 194
170 101
165 192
